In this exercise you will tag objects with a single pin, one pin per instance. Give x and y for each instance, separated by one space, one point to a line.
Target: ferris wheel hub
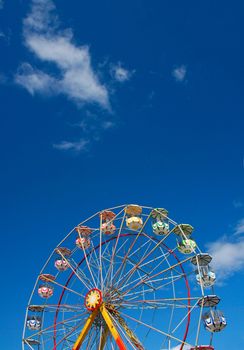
93 299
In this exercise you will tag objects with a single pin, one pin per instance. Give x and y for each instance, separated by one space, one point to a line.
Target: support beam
103 338
109 327
112 328
85 330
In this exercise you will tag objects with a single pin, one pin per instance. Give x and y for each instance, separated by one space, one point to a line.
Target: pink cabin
45 291
83 242
108 227
61 264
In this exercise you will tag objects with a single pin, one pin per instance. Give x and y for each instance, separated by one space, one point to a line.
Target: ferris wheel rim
126 235
133 232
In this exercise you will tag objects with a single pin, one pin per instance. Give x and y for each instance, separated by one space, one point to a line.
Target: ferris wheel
128 277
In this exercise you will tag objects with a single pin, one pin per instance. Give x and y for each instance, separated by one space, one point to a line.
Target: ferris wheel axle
93 299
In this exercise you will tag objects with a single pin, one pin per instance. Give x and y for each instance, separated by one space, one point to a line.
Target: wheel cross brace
110 327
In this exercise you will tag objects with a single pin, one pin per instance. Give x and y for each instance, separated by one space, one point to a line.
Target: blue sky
112 102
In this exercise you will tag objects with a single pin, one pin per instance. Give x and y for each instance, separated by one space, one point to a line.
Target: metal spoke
155 329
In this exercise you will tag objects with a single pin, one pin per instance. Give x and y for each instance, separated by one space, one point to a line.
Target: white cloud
65 68
228 258
228 254
35 80
120 74
76 146
179 73
91 128
77 80
90 123
239 229
107 124
41 17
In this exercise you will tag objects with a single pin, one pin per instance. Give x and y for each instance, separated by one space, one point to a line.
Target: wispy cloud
65 68
76 79
1 4
121 74
228 258
91 129
91 123
228 253
179 73
35 80
239 229
75 146
108 124
5 36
